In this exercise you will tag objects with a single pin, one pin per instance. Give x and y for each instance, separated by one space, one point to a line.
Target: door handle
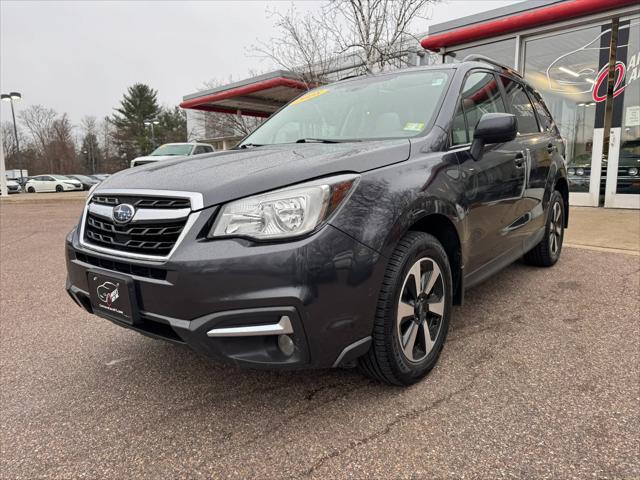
519 160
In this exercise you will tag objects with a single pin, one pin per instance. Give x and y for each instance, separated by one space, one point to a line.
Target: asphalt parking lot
540 378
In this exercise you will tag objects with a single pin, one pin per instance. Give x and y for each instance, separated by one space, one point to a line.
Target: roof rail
482 58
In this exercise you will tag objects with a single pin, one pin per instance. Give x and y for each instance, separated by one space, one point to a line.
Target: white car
172 150
13 186
52 183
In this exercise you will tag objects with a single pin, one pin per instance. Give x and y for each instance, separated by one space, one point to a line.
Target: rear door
539 145
494 183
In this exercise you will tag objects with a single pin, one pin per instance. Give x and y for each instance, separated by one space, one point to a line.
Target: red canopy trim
522 21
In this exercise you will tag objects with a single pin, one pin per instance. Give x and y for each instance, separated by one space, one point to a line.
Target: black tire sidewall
59 188
409 372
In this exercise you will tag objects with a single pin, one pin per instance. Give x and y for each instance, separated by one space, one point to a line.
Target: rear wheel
547 252
412 317
59 188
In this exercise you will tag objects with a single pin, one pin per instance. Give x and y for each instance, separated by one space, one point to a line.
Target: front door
494 183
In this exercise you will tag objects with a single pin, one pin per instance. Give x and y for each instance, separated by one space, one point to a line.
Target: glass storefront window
565 68
503 51
626 110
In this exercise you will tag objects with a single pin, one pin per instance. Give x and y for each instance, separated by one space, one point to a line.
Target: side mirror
493 128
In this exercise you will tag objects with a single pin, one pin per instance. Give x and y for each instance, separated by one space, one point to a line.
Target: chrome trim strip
101 210
197 203
154 214
283 327
197 200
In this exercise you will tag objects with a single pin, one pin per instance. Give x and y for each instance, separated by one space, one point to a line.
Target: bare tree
354 36
39 121
379 32
302 46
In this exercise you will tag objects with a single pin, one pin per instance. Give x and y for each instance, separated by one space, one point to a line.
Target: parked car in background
100 176
13 187
172 150
86 181
341 231
52 183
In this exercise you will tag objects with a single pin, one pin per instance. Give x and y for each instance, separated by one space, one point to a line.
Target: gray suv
340 232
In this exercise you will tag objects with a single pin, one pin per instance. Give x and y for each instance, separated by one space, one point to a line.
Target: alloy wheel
555 228
420 309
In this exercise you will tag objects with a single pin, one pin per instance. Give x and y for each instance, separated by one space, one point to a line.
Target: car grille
139 270
142 202
155 237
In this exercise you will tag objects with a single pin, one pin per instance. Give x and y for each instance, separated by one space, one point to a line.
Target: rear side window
520 106
544 117
480 94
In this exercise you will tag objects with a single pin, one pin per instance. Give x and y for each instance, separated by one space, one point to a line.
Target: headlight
571 171
580 171
286 213
633 171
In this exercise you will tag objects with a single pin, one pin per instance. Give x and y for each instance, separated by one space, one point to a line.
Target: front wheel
547 252
59 188
31 190
412 317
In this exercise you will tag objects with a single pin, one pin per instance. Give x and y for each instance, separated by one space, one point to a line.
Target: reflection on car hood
158 157
232 174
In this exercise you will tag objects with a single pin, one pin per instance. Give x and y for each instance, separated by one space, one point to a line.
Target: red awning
521 21
259 96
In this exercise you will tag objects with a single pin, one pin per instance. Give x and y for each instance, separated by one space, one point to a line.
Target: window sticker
436 82
309 96
413 127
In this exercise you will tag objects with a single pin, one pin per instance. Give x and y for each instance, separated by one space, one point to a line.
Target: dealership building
583 56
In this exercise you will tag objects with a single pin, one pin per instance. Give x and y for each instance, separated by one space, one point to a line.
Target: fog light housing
633 171
286 345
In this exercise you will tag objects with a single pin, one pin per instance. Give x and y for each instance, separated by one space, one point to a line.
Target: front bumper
327 284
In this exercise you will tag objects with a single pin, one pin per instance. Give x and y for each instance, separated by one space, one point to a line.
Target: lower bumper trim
283 327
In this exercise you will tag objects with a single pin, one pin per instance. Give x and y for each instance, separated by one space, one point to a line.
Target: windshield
172 150
387 106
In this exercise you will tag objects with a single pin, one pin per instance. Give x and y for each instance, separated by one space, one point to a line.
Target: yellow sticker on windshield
413 127
309 96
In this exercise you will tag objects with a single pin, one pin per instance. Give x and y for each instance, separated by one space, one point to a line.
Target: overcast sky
79 57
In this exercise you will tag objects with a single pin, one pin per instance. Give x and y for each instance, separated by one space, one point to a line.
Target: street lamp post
152 122
10 97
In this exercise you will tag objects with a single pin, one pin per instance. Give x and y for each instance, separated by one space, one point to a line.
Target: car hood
232 174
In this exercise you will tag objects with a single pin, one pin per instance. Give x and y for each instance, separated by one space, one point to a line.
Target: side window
544 117
208 149
48 179
198 150
480 94
520 106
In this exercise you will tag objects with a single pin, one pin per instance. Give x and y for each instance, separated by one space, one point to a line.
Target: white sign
632 116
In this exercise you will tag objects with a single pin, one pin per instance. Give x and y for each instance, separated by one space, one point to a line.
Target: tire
547 252
59 188
31 190
392 358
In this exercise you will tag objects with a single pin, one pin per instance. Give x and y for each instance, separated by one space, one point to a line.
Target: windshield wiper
247 145
316 140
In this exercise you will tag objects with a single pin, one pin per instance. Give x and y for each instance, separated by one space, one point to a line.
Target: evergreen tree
172 127
132 136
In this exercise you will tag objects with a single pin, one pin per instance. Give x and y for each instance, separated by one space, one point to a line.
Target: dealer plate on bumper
113 296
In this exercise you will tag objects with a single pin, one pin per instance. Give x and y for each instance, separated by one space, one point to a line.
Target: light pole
10 97
152 122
